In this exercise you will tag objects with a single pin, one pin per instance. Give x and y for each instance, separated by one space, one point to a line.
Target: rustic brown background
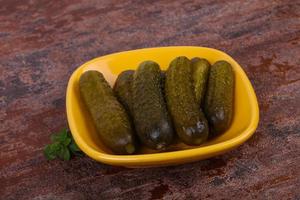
42 42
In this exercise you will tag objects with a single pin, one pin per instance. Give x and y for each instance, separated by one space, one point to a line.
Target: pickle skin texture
188 118
123 91
219 97
151 119
200 71
110 118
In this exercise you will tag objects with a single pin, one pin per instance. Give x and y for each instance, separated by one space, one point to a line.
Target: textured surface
109 116
188 119
151 119
42 42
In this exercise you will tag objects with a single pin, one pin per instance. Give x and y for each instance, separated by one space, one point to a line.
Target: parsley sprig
63 146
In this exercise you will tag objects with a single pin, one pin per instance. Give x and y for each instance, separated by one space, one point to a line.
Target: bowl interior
111 65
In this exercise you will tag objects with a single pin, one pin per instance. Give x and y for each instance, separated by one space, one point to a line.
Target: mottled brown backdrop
43 41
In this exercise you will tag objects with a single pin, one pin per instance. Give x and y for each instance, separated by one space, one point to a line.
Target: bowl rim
144 159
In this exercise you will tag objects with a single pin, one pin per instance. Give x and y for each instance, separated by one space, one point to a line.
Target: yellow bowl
244 123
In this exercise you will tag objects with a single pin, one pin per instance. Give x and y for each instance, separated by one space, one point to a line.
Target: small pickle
218 106
109 117
122 89
189 121
200 70
151 119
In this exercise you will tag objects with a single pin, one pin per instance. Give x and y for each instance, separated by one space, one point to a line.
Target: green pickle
110 118
122 89
189 120
200 72
219 97
151 119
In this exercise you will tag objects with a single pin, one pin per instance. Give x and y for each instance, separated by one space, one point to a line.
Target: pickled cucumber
219 97
151 119
200 71
189 121
122 89
110 118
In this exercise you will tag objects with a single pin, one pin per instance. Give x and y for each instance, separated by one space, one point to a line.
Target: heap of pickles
192 100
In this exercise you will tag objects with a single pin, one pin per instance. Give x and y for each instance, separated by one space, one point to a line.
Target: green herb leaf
60 137
75 149
62 147
51 150
64 154
73 146
67 141
48 153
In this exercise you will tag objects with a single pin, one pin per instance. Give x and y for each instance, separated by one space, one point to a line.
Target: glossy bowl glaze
244 123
